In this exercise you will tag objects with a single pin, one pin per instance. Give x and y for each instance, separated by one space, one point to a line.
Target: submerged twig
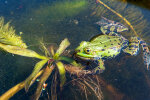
47 72
54 87
11 92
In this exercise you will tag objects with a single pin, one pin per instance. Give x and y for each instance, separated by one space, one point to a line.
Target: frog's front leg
100 68
133 49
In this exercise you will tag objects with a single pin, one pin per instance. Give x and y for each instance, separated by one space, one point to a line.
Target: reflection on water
56 19
142 3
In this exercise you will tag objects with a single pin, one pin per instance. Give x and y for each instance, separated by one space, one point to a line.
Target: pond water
53 20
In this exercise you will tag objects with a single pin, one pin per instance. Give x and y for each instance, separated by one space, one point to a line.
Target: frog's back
107 41
107 46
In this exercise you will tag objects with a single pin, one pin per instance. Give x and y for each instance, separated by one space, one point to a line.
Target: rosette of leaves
12 43
53 62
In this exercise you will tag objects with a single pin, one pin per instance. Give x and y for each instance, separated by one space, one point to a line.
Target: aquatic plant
8 36
47 71
12 43
59 10
9 46
52 59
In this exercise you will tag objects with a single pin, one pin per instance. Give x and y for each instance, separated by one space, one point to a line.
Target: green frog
110 44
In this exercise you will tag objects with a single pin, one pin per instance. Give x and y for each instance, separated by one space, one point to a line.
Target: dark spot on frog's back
103 49
120 39
134 46
114 55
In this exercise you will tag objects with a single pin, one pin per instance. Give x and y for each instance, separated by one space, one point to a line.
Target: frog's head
83 51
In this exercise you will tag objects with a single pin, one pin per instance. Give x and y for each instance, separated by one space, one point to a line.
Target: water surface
54 20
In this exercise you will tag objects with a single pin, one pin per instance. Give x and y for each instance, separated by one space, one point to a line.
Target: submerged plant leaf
71 61
44 48
11 92
8 36
63 45
62 73
52 50
21 51
37 75
36 69
47 72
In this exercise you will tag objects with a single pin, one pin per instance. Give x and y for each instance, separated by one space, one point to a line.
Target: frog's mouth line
85 57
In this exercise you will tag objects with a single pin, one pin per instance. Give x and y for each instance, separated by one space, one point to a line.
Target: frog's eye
87 50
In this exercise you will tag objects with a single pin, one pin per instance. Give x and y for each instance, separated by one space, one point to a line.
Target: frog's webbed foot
109 27
146 57
100 68
133 49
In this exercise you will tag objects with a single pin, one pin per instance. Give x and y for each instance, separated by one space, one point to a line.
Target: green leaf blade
21 51
63 45
36 69
62 73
